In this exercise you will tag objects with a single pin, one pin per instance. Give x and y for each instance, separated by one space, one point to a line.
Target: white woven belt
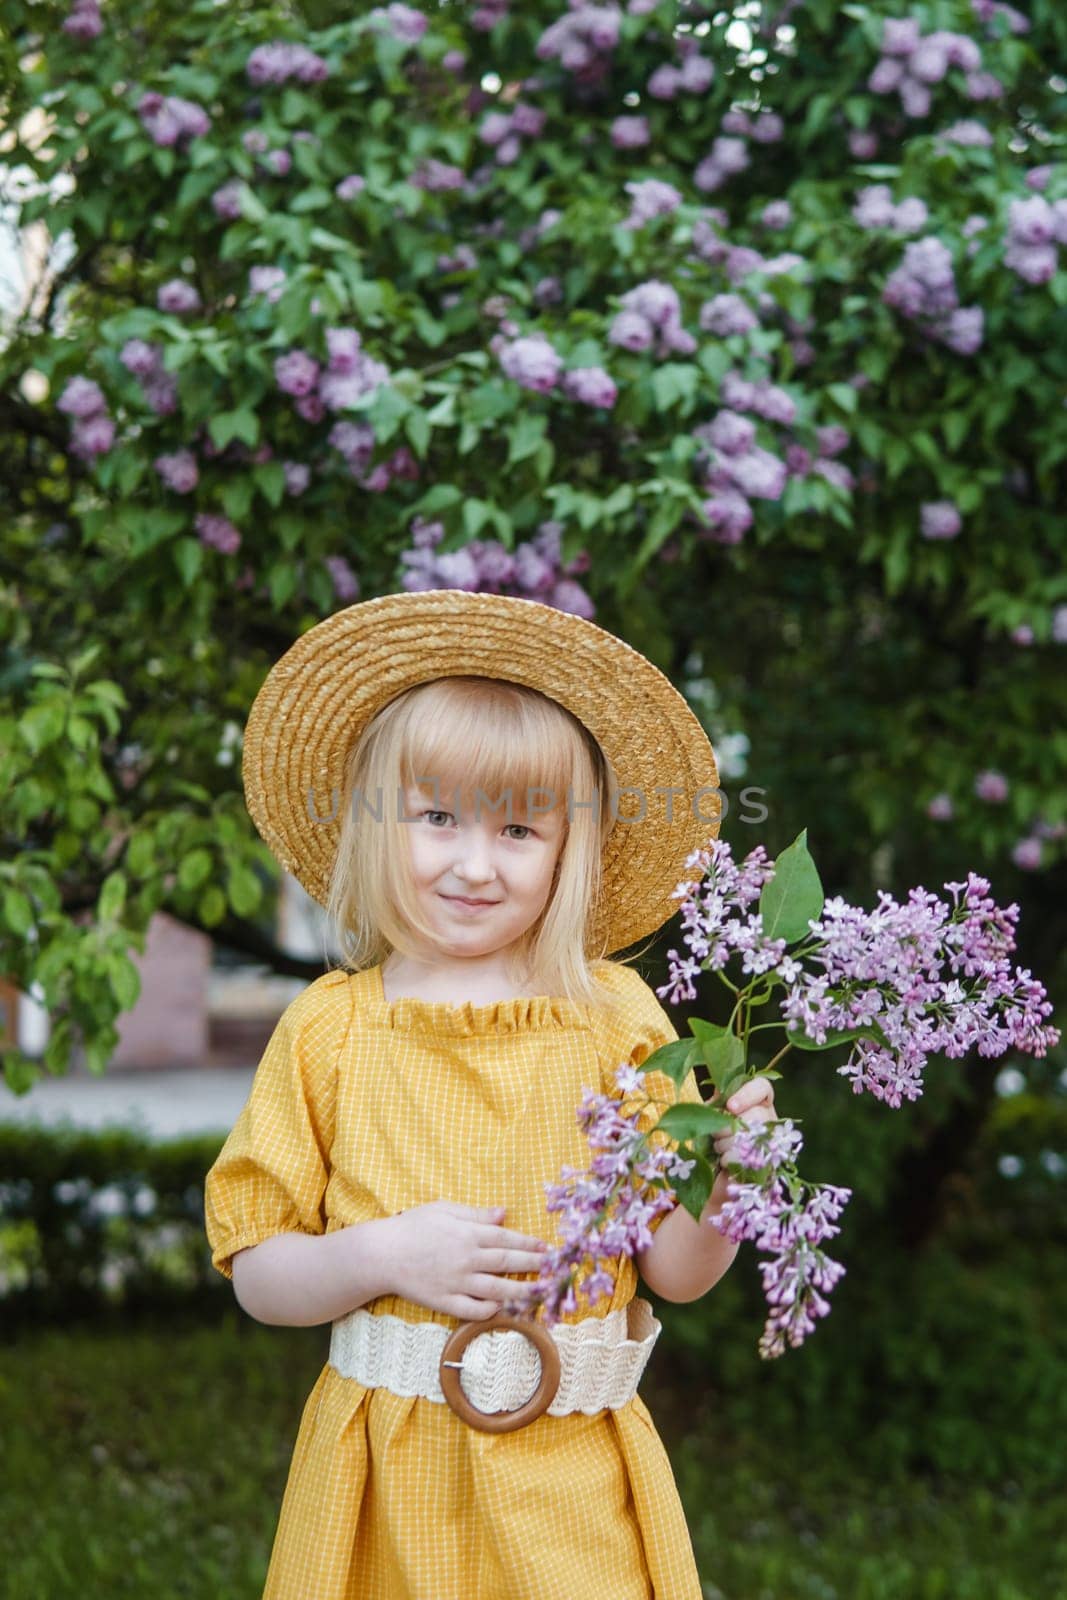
601 1359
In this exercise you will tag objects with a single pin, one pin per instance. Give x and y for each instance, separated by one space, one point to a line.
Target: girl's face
461 854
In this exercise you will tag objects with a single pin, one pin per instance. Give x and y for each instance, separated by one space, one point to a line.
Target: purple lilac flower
1027 854
92 436
939 519
178 296
218 533
403 22
226 200
297 477
281 60
983 86
726 314
631 331
168 119
296 372
991 786
773 1215
928 977
630 133
940 808
82 398
267 281
969 133
141 358
433 176
355 442
651 312
648 199
344 580
664 83
777 214
178 471
836 473
532 362
591 386
349 187
832 440
728 515
729 432
534 570
577 37
85 21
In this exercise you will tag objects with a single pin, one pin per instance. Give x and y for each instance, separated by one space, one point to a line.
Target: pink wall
168 1027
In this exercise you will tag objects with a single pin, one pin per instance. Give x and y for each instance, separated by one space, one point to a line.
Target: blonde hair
500 737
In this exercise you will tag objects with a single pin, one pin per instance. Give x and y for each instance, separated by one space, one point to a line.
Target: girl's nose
474 859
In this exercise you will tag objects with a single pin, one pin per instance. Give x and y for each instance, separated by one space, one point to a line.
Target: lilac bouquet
899 983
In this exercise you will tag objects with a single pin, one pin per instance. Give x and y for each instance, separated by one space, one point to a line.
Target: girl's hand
754 1102
452 1258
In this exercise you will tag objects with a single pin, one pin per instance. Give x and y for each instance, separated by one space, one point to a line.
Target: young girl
442 772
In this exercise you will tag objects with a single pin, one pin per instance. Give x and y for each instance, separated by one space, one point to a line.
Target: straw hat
318 698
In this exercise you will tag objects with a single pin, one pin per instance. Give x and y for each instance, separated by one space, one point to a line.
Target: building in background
199 1006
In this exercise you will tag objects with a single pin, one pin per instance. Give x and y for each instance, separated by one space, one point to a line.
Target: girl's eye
524 829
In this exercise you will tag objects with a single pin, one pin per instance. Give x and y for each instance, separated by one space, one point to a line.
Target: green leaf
236 497
693 1192
269 479
417 428
475 515
439 498
141 854
112 897
674 381
525 436
188 557
281 582
125 980
43 724
794 895
244 890
195 869
724 1058
675 1060
18 912
212 906
688 1121
843 395
833 1036
226 426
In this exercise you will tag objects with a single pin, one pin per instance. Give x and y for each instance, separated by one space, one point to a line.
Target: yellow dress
363 1107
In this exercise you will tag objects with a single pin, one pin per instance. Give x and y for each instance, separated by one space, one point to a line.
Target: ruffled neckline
521 1014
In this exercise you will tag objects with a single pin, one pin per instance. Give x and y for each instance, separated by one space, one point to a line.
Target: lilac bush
628 304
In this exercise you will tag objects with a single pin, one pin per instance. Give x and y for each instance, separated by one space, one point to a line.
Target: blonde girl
490 797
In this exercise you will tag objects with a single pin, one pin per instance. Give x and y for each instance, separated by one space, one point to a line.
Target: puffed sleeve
271 1174
637 1027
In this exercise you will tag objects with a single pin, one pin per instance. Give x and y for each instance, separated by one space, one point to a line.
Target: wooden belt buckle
499 1421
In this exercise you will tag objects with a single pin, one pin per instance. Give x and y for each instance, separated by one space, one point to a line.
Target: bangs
502 739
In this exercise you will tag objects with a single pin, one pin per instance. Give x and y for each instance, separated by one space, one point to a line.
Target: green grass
152 1463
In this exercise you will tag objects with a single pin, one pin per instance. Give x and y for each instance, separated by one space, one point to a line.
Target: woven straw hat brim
318 698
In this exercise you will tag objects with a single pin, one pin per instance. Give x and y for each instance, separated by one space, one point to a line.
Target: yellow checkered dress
362 1107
